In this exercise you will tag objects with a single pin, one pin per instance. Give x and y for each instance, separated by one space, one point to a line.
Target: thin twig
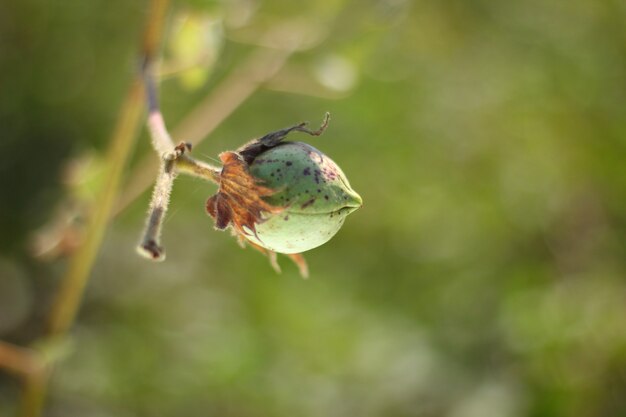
67 301
164 146
150 245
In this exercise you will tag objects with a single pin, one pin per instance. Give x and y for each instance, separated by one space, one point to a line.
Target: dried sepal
296 258
239 201
254 148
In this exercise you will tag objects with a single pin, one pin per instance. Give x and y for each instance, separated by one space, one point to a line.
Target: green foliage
484 275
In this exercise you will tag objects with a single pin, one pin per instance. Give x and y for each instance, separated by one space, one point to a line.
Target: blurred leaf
194 46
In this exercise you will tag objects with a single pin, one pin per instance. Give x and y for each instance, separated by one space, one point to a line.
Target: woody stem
173 160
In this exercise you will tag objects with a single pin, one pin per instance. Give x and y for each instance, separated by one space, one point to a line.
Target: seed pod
314 192
282 197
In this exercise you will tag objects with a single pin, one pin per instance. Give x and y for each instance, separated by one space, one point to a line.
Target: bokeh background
485 275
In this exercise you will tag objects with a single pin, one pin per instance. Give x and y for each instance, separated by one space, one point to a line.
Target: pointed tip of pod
354 200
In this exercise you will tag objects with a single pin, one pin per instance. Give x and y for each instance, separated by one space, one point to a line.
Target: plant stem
67 301
193 167
171 157
150 246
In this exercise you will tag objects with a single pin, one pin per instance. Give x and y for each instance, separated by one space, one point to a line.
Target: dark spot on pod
317 176
319 190
272 174
307 203
306 171
288 163
326 197
286 218
278 170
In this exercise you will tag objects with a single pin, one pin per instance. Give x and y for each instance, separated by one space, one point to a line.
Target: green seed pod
314 191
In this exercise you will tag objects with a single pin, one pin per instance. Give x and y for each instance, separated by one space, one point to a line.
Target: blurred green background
485 275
